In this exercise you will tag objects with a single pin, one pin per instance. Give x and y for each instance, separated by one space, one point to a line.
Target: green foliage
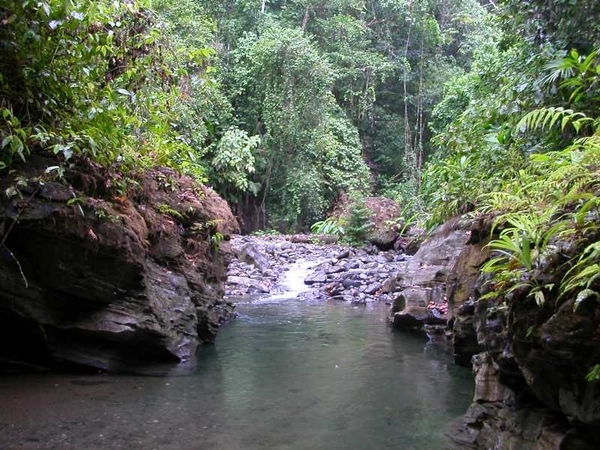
518 250
328 226
353 226
233 159
310 152
169 211
546 118
593 374
560 23
584 276
553 196
478 152
89 79
327 84
357 221
215 240
14 138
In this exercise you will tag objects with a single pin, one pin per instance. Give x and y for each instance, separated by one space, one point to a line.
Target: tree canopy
283 105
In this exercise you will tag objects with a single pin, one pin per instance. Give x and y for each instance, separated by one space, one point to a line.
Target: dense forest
446 106
284 105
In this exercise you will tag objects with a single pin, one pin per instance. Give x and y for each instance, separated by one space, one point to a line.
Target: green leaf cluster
90 79
554 197
340 92
310 152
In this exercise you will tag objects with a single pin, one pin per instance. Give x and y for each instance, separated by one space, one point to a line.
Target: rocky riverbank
95 280
529 360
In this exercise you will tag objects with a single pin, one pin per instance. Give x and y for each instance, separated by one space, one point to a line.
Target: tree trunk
305 19
420 116
407 134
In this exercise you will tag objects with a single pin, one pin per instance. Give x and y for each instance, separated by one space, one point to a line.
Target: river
289 373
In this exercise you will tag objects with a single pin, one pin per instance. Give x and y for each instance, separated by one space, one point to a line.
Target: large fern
546 118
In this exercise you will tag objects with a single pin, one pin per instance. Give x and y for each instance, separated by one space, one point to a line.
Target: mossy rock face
109 281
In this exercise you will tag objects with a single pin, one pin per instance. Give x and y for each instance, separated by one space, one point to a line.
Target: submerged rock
106 284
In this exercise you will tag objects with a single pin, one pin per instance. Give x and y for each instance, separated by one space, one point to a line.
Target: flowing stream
289 373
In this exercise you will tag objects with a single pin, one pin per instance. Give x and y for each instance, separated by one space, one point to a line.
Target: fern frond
547 117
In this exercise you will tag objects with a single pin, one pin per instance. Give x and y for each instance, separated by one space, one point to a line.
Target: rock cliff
529 361
91 279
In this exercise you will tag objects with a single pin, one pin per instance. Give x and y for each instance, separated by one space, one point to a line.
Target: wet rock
348 273
351 265
360 301
488 387
335 269
372 288
436 333
424 280
316 277
246 285
343 254
557 356
531 390
349 283
250 255
123 283
277 253
464 339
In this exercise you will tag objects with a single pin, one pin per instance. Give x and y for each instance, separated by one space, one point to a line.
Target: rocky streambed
339 273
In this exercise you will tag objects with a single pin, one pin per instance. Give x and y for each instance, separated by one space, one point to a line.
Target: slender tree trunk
267 185
407 134
420 118
305 19
362 109
263 6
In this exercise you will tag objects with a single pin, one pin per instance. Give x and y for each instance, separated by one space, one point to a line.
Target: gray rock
372 288
249 285
98 293
250 255
424 278
343 254
317 277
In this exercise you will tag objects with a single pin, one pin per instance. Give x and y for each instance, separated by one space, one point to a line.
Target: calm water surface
288 374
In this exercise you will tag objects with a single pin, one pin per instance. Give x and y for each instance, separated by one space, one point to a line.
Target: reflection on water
287 374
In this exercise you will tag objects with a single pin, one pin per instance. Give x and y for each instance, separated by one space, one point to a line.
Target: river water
289 374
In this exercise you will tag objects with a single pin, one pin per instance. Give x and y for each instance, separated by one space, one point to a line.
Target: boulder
106 284
250 255
423 282
316 277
